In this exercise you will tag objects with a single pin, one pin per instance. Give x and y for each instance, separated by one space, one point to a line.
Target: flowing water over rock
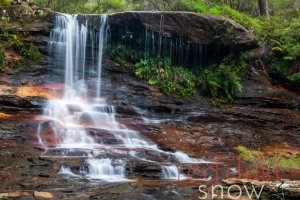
88 137
83 125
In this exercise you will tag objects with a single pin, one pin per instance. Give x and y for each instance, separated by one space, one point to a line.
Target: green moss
258 158
5 2
293 162
195 6
242 18
248 154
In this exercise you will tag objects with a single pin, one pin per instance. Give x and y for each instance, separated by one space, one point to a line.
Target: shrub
217 81
286 38
31 52
284 43
171 79
14 41
2 58
194 6
121 52
280 65
223 80
295 77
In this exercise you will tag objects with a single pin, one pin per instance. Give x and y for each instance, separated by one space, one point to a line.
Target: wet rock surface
263 116
193 28
267 119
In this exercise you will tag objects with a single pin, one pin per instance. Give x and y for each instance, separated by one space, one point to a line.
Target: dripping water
81 127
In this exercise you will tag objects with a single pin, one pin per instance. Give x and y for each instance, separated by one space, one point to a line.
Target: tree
264 8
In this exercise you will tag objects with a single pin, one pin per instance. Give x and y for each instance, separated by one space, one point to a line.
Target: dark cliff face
202 29
192 28
190 39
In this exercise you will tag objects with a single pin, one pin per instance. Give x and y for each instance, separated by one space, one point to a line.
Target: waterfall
82 124
172 173
184 158
103 33
105 169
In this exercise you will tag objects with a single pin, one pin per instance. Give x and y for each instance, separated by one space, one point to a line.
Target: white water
66 171
184 158
78 126
105 169
103 33
172 173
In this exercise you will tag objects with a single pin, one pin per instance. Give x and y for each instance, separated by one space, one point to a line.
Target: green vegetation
295 77
157 71
218 81
284 42
292 162
82 6
2 59
5 2
194 6
258 158
12 41
28 51
171 79
223 80
31 52
125 56
247 21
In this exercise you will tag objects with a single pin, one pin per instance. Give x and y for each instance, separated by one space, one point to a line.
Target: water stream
82 124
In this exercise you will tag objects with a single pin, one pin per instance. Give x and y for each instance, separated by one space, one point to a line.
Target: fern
2 58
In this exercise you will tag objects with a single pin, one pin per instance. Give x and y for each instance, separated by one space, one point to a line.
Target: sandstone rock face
262 116
33 23
193 28
192 40
181 35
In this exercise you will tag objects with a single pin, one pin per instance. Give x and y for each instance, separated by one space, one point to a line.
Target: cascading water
172 173
102 37
83 125
103 169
